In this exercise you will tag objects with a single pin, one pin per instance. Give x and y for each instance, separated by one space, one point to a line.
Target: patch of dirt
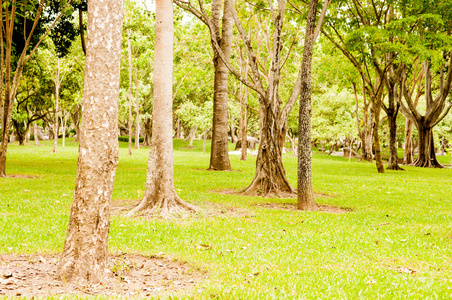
133 276
293 207
21 176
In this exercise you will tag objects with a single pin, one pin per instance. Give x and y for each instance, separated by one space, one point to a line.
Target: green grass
298 255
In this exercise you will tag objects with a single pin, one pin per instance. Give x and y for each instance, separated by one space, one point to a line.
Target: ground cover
393 243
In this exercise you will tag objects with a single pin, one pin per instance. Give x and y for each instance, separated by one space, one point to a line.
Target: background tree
160 193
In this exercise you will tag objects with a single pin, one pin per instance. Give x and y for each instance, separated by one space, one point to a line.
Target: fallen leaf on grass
371 281
204 247
406 270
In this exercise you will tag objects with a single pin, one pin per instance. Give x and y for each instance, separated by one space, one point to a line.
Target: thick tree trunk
270 178
219 157
306 199
426 157
393 157
408 145
160 194
84 258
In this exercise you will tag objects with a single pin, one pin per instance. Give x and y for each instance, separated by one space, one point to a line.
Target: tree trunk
57 108
204 140
160 193
408 145
393 163
35 133
426 157
270 178
76 120
84 258
376 124
129 50
137 118
192 135
306 199
219 156
147 133
178 127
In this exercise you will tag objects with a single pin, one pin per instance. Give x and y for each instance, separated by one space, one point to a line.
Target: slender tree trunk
57 108
35 133
306 199
160 193
219 156
192 136
129 50
137 118
76 121
84 258
233 128
64 122
204 140
178 127
147 133
376 125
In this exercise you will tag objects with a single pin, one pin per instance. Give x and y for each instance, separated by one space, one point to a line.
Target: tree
85 250
20 37
160 193
219 157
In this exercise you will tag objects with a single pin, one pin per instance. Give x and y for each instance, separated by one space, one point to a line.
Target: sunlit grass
398 219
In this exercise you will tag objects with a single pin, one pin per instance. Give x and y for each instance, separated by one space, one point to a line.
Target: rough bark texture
160 194
219 157
84 257
306 199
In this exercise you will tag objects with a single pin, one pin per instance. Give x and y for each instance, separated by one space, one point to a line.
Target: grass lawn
396 243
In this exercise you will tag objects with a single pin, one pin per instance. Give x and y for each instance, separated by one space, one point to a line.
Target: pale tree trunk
204 139
178 127
233 135
243 108
76 120
137 118
63 123
306 199
364 133
57 81
35 132
129 50
219 156
84 258
160 194
192 135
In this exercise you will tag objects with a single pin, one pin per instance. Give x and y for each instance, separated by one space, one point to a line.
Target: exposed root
167 208
428 163
395 167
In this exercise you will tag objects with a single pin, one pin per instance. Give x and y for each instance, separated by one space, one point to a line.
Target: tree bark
426 157
219 156
35 133
376 107
137 118
84 258
129 51
160 194
306 199
192 135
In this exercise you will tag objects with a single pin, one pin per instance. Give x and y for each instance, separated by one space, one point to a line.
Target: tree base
395 167
428 163
264 187
166 207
